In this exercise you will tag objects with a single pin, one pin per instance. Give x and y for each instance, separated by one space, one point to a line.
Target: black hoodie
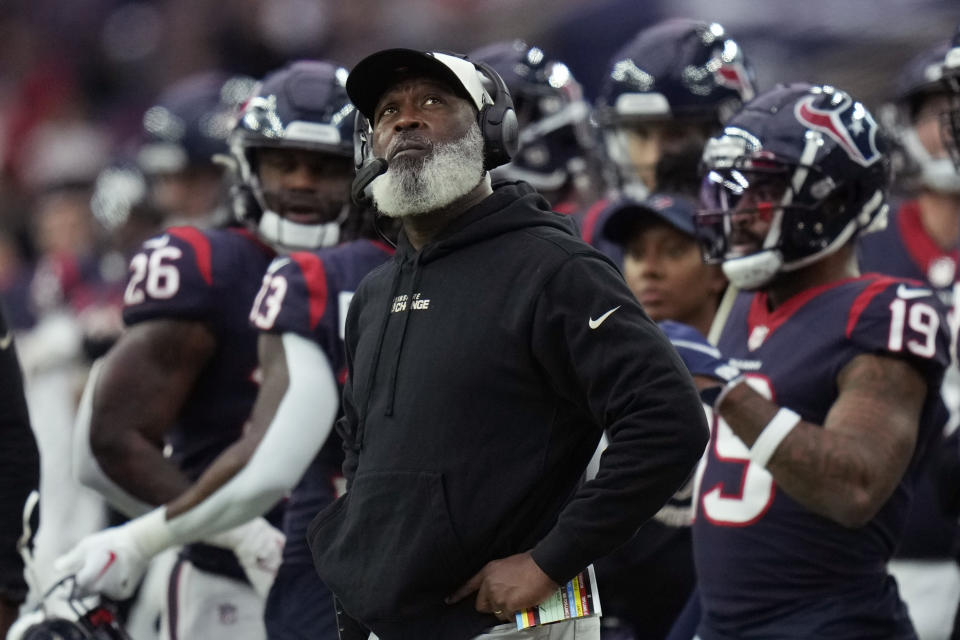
482 371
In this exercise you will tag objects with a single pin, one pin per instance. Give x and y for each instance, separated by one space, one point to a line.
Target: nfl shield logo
757 336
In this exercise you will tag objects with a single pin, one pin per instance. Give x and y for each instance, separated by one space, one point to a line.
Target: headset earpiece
361 141
498 122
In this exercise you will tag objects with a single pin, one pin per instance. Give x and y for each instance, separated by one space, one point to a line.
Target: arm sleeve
904 320
19 467
298 297
299 428
86 469
624 372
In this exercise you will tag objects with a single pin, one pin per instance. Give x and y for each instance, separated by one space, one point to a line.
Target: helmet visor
738 207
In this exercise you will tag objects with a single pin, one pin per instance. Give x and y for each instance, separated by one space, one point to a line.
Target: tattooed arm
848 468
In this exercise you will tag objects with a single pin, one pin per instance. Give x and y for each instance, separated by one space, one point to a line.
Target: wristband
772 435
151 532
726 389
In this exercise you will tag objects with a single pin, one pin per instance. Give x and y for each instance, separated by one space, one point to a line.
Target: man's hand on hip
506 586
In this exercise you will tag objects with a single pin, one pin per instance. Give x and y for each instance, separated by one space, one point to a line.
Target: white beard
448 172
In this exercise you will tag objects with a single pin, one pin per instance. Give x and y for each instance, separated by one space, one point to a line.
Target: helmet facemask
912 124
950 122
295 125
298 219
803 217
637 147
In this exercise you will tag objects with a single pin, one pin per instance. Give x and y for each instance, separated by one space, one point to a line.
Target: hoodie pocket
387 549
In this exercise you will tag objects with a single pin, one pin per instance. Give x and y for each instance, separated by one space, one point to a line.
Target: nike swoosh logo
110 561
599 321
909 294
6 340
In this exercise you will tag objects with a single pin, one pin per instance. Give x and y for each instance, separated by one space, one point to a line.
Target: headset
497 122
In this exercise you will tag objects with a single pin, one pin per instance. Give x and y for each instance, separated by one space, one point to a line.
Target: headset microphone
366 175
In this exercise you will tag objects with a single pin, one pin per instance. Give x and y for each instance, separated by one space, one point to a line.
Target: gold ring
498 612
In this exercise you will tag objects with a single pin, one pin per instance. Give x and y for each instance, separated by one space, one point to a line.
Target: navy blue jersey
905 249
308 293
766 566
210 276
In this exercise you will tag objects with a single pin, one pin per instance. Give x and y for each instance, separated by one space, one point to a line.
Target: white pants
205 606
150 604
931 590
68 510
579 629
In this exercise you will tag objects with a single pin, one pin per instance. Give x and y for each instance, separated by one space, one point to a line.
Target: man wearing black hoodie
485 359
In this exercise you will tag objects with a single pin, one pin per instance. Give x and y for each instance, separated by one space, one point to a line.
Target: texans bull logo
733 75
849 123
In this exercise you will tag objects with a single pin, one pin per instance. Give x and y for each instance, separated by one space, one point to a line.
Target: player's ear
717 281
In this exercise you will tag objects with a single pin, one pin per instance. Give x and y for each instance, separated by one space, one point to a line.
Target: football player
922 242
182 132
654 127
921 239
665 92
557 154
185 373
814 457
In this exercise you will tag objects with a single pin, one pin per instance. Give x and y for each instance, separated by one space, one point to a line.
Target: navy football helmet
679 71
556 145
302 106
118 189
920 81
190 121
951 119
808 159
94 626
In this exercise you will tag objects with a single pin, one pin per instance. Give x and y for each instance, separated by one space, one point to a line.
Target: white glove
22 624
258 546
107 562
113 561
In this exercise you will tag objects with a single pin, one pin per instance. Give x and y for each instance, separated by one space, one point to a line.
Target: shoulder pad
903 318
171 276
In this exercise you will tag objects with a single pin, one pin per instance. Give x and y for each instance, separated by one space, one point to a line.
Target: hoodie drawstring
403 333
394 285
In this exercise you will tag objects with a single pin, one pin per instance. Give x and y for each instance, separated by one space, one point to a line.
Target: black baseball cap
376 73
674 209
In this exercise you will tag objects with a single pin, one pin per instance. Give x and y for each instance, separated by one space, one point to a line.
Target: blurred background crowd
79 78
76 78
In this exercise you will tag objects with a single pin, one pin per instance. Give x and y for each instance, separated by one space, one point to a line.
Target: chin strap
287 235
755 270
